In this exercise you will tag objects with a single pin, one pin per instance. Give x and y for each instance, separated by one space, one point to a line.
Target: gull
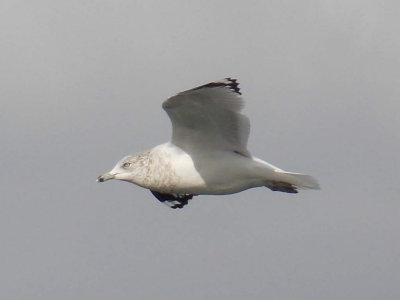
207 153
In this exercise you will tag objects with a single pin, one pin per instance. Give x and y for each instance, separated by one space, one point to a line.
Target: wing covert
209 117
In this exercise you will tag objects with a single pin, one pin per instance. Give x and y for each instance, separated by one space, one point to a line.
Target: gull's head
122 171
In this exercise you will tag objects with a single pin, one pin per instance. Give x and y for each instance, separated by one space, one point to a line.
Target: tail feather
289 182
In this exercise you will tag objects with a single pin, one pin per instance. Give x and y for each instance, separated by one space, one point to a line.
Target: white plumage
207 153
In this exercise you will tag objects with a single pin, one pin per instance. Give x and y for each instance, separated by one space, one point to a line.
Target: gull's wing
208 117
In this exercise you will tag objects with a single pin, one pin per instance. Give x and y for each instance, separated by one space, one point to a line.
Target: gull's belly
219 173
187 179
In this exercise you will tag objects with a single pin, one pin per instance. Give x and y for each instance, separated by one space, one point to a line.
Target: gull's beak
105 177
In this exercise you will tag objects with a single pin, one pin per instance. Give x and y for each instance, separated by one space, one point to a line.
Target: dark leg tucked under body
173 201
281 187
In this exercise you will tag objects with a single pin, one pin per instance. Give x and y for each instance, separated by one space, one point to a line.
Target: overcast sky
81 85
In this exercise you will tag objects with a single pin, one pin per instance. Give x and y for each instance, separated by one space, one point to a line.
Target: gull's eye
126 165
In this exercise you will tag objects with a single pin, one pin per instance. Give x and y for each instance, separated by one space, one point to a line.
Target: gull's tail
290 182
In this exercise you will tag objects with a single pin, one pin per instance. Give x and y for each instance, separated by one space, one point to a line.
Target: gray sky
82 84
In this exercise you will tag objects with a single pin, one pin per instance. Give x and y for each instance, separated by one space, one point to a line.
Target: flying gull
207 153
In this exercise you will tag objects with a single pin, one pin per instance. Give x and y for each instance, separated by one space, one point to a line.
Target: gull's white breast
171 170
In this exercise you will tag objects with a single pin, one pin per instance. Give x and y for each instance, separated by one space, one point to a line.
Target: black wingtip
233 85
229 82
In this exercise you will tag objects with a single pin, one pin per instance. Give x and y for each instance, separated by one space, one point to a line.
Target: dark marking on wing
173 201
231 83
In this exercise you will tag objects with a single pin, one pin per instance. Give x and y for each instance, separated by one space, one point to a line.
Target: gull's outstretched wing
208 118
